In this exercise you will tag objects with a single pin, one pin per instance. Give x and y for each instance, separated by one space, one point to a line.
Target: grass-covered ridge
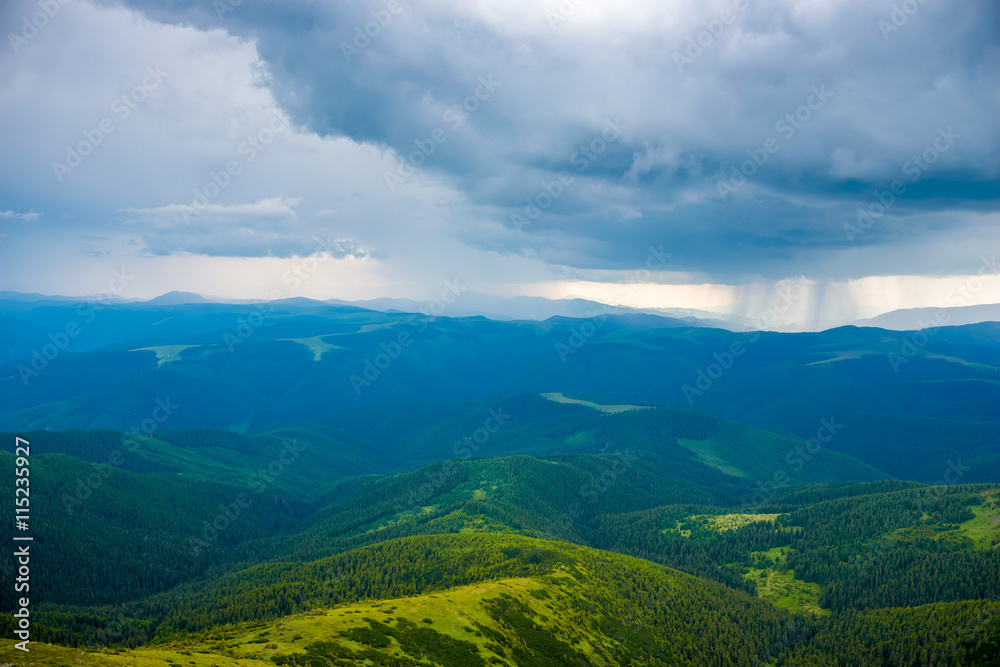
534 596
578 606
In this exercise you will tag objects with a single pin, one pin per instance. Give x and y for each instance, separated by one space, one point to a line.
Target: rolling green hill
544 603
227 374
310 490
304 458
104 535
916 447
477 600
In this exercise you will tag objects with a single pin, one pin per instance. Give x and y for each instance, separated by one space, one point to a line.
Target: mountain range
472 304
307 483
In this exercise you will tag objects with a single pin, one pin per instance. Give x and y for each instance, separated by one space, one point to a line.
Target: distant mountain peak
913 319
176 298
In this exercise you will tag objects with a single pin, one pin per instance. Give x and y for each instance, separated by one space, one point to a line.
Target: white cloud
29 217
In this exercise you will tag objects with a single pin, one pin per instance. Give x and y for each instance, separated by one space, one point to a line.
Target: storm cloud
756 140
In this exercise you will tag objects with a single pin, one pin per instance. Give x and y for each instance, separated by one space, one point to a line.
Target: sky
680 154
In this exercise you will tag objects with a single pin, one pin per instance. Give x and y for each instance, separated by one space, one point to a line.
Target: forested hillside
202 503
896 404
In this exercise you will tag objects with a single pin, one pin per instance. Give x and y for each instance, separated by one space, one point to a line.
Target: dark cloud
846 95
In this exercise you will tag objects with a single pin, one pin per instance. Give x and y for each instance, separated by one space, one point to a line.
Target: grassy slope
784 591
564 604
835 537
757 454
571 613
984 530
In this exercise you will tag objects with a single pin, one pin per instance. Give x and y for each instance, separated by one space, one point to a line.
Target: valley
493 517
